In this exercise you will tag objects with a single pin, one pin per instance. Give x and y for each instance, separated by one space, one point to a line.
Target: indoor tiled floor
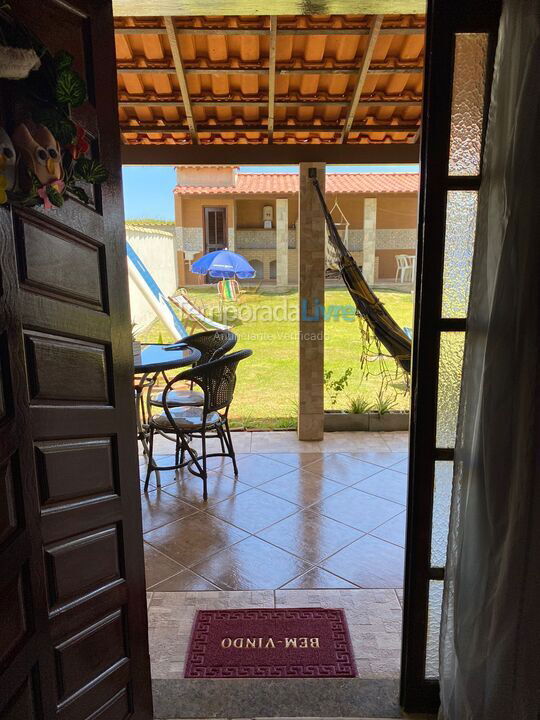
304 515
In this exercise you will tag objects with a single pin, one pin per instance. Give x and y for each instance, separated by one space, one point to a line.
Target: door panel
459 57
73 596
215 228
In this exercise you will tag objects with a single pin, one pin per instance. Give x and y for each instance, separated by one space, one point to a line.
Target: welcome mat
278 643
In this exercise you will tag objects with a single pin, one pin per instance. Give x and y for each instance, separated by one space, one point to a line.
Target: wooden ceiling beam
250 8
136 102
181 75
152 128
272 75
362 74
264 31
276 154
373 70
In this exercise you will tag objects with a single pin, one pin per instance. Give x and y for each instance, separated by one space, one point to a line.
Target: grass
267 388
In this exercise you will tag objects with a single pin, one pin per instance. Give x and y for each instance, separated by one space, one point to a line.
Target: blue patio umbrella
223 264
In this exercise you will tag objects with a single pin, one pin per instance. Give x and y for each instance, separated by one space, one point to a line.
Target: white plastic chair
403 267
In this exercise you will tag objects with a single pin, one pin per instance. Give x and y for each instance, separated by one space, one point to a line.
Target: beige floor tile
194 538
185 581
158 566
256 469
251 565
342 468
317 578
309 535
358 509
253 510
301 487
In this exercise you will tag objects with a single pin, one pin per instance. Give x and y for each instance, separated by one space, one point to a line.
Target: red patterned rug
286 643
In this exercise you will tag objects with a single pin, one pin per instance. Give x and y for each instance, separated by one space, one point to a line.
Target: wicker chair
212 344
217 380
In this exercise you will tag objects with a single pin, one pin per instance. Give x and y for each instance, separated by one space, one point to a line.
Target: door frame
444 21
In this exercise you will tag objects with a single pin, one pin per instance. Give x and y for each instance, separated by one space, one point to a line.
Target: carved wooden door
73 627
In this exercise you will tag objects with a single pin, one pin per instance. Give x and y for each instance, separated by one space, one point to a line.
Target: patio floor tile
251 564
158 566
358 509
190 540
294 459
255 469
189 488
387 484
393 530
369 563
342 469
310 536
317 578
185 581
159 508
383 458
301 487
253 510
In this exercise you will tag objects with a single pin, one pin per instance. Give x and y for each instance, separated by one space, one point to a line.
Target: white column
231 230
370 239
311 266
282 242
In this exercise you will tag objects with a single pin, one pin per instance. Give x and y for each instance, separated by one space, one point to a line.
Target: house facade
256 215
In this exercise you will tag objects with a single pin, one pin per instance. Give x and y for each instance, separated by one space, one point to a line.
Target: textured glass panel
434 628
467 103
461 209
444 471
450 367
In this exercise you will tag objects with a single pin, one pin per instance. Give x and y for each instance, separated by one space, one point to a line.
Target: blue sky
148 189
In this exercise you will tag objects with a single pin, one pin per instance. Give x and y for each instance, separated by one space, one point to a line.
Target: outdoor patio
301 515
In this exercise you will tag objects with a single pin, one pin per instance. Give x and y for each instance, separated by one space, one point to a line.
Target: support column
282 242
231 230
370 240
311 267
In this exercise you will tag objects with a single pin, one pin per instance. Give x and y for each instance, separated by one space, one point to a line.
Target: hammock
368 305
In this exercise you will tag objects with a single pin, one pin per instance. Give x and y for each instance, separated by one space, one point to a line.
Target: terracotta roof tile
287 184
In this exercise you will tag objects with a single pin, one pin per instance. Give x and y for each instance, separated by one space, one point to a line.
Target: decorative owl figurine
7 161
38 152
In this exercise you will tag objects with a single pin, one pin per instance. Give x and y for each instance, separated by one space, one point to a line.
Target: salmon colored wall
204 175
352 207
397 211
387 262
249 211
191 212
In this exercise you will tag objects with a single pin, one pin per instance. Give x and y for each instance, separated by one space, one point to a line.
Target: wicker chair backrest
217 379
212 344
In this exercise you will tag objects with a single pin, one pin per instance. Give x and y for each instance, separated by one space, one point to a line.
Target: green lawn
267 388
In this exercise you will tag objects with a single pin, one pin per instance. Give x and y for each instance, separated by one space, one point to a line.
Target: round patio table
156 359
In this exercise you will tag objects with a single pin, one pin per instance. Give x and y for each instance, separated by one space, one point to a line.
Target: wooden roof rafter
181 75
272 76
362 74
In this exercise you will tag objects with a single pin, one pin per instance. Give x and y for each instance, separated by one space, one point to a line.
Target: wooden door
215 228
460 45
73 627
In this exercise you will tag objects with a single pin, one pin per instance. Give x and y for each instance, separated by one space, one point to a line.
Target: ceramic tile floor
300 515
373 616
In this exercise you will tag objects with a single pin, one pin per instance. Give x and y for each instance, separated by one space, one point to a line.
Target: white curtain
490 635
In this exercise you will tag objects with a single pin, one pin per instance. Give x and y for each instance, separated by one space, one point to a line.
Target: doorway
215 228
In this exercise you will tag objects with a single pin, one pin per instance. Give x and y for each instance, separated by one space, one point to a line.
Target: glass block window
444 471
434 628
468 89
450 369
461 210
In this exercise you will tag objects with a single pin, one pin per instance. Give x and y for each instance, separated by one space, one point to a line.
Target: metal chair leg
150 459
231 447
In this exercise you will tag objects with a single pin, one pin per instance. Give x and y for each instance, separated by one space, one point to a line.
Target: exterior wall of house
395 233
156 246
